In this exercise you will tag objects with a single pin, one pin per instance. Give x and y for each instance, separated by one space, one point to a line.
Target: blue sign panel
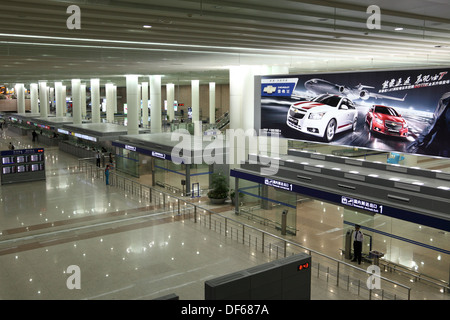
282 87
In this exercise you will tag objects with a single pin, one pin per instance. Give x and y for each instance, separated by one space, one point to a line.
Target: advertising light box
405 111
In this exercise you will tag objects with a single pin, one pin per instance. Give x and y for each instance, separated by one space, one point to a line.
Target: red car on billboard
386 120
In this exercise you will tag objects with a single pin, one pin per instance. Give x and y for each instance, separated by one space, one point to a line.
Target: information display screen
22 165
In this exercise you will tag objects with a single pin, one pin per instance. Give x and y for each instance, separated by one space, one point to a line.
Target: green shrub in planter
219 186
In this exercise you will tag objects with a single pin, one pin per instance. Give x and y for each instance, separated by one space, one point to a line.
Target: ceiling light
146 26
398 29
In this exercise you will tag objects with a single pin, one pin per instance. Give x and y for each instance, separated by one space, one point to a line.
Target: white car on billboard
324 116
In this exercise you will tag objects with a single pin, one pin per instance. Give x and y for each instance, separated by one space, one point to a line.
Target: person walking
358 239
98 158
107 174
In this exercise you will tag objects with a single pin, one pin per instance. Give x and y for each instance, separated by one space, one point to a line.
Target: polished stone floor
123 247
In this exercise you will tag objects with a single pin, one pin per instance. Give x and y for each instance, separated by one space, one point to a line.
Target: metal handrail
311 250
115 176
416 275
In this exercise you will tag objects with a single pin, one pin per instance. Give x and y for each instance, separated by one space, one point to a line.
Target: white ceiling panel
200 38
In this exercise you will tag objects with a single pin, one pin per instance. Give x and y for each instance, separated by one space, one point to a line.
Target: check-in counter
79 151
84 140
46 138
19 129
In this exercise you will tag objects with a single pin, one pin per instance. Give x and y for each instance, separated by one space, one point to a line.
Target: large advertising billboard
405 111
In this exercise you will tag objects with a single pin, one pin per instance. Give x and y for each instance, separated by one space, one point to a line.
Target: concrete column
34 98
132 103
139 104
95 100
76 101
51 96
109 88
155 100
236 83
20 92
248 98
195 104
83 101
43 99
58 96
115 98
64 99
170 90
212 102
242 113
144 88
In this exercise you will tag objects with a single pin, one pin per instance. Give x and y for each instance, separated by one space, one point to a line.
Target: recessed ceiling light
146 26
398 29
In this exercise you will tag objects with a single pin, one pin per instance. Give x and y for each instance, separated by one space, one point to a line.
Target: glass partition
199 178
415 247
267 204
127 161
169 175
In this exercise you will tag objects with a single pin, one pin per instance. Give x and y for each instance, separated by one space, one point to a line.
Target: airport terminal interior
154 150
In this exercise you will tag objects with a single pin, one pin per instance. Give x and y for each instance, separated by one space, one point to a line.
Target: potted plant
219 186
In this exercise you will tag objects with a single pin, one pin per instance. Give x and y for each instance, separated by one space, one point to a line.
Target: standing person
34 134
358 238
107 174
98 158
10 146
